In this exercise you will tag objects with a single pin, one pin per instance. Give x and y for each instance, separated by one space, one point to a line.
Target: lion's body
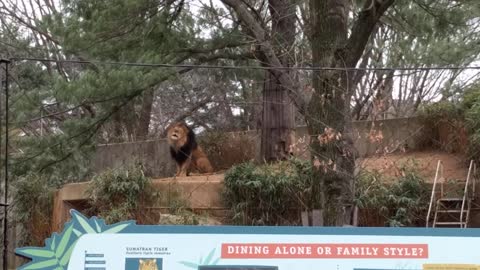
188 155
150 264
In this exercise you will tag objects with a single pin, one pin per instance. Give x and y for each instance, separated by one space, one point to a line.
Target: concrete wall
237 147
201 194
154 155
379 137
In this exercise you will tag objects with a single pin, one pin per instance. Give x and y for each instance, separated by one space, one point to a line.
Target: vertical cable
5 199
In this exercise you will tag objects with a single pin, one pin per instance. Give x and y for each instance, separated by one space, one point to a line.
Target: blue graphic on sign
58 249
90 244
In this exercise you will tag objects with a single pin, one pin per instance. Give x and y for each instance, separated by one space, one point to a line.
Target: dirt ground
455 166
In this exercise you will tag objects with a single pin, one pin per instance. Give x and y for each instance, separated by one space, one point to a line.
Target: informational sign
90 244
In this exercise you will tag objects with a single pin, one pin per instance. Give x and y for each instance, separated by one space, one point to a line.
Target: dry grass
388 165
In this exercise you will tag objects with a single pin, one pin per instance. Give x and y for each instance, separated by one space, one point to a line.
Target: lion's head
177 134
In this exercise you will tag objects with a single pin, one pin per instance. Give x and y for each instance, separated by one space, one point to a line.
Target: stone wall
227 149
203 195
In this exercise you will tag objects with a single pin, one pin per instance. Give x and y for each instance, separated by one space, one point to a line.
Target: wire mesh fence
92 118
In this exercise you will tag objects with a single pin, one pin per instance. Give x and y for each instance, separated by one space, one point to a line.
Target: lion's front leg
184 167
179 167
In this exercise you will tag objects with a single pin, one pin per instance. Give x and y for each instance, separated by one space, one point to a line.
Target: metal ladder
452 211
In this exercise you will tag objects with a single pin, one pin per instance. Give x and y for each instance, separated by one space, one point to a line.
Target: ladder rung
450 223
451 211
450 200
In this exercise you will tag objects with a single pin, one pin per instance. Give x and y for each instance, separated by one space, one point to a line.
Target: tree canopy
81 90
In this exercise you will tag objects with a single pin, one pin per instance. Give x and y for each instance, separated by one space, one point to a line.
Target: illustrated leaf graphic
189 264
83 222
77 232
57 252
66 257
209 257
53 243
64 241
37 252
42 264
97 226
215 262
118 228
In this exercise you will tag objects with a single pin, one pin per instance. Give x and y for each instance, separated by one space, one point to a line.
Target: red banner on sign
327 251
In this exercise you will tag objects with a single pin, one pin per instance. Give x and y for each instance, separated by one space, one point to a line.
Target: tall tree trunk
278 117
328 114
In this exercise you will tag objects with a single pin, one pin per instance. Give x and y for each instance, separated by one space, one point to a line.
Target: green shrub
270 194
442 120
471 97
33 207
274 194
462 119
471 105
126 194
119 194
401 202
440 110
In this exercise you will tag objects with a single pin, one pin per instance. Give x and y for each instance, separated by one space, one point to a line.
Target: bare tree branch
363 28
268 51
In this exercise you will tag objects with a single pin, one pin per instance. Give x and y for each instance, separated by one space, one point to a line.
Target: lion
185 151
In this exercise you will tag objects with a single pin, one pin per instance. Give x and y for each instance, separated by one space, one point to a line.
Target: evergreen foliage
60 111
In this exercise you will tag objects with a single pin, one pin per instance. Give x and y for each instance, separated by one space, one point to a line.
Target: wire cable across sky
193 66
